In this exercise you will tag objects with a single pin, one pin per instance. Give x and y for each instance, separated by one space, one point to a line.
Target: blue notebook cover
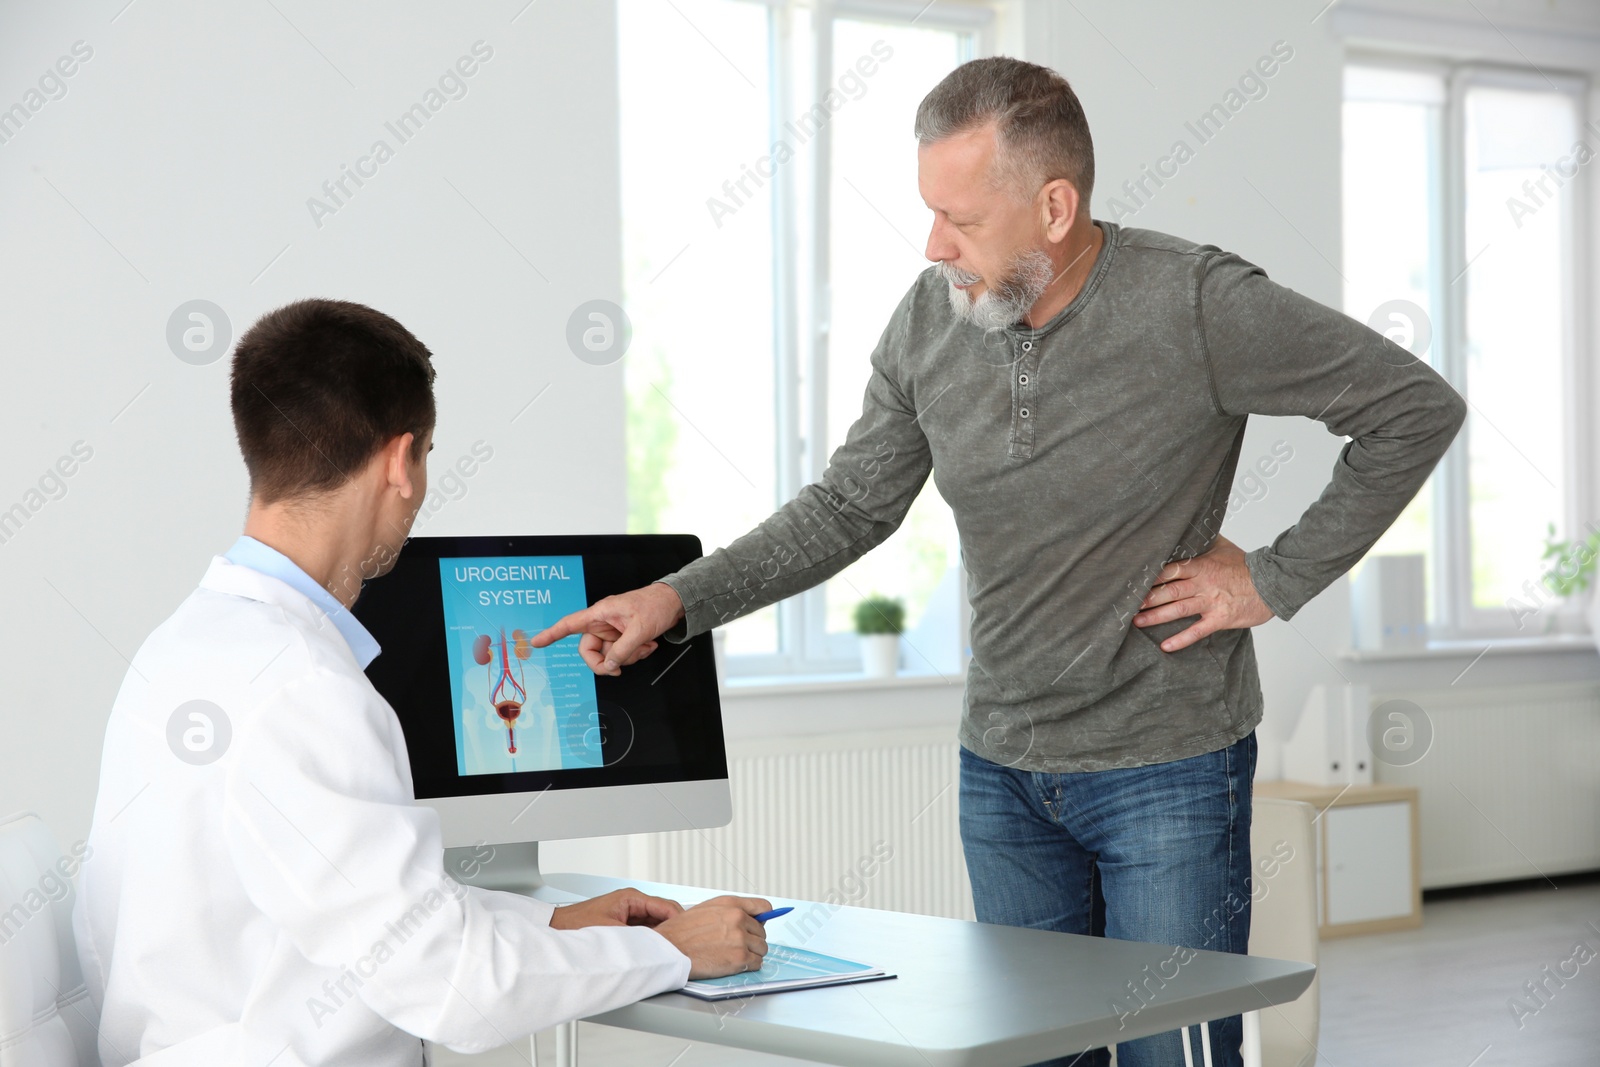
785 968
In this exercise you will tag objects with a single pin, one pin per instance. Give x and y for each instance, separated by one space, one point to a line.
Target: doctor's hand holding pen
619 630
720 936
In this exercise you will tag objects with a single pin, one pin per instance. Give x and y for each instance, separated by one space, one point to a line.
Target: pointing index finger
576 623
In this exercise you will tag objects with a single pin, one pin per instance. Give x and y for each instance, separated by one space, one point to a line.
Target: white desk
968 994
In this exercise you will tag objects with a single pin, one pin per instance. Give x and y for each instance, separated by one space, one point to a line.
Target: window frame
1456 616
801 341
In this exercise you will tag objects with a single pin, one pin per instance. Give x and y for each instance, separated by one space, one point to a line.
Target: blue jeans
1158 854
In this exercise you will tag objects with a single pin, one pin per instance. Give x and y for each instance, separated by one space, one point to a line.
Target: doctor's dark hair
318 387
1041 127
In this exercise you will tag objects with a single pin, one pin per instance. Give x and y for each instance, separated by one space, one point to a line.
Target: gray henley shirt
1081 457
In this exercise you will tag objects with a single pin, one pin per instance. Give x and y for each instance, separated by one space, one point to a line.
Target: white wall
178 165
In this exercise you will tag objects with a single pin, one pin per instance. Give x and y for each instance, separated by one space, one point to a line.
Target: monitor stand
512 867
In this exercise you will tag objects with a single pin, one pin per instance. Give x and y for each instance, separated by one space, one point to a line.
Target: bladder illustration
506 693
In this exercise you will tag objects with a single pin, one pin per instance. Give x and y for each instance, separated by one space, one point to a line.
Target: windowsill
1469 647
785 684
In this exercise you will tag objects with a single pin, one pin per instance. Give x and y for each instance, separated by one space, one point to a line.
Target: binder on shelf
1329 745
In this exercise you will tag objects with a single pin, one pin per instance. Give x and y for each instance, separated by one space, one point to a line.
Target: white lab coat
288 902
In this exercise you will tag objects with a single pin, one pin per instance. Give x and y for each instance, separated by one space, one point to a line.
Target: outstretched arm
870 484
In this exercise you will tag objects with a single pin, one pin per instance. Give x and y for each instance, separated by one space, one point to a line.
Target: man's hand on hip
620 629
1214 585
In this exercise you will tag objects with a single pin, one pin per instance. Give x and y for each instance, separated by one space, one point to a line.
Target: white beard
1007 299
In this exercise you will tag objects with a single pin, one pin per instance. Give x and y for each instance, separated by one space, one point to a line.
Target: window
1461 194
767 237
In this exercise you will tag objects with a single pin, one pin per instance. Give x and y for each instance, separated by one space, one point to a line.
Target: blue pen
773 914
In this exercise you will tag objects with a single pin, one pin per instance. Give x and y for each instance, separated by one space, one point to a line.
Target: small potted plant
879 622
1574 566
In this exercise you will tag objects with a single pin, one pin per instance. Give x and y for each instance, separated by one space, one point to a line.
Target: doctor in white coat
261 887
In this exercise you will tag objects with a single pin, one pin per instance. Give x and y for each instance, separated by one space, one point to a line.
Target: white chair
1283 925
46 1017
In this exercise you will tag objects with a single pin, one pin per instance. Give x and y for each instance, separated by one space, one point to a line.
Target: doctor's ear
397 462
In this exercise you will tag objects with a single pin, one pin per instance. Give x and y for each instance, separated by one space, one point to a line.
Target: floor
1440 996
1443 994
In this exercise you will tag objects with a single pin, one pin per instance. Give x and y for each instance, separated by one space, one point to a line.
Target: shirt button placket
1024 414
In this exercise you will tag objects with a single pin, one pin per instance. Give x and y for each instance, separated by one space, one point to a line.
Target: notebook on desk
786 968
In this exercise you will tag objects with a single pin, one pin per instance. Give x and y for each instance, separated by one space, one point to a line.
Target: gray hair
1042 131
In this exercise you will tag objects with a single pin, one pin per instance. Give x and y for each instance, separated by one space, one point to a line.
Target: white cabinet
1368 865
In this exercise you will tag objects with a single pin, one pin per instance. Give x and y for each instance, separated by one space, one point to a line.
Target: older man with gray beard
1079 393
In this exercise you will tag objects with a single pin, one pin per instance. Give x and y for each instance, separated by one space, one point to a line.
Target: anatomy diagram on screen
507 694
517 694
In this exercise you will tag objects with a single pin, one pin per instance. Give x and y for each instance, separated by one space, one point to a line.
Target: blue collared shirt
264 559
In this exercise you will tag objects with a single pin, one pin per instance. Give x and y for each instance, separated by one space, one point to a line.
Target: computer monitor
512 743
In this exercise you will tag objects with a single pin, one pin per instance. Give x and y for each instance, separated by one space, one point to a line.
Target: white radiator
1510 789
1511 786
862 819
